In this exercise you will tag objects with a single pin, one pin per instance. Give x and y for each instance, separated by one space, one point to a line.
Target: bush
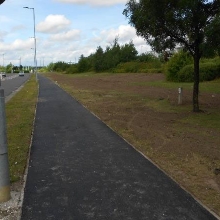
72 69
208 71
129 67
176 63
138 67
186 74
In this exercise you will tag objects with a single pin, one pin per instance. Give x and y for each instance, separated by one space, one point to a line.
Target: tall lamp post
35 46
4 163
3 59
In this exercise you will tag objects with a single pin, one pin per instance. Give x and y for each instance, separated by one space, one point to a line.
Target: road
12 82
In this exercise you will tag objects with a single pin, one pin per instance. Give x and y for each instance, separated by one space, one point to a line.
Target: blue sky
65 29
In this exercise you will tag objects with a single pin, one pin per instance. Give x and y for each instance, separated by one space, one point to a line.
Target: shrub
129 67
176 63
208 71
72 69
186 74
138 67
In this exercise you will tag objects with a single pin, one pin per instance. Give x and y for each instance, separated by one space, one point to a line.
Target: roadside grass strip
20 114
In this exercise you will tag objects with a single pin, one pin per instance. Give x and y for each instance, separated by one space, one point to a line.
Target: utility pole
3 59
20 64
4 164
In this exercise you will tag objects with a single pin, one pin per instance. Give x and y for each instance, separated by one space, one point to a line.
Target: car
3 74
21 73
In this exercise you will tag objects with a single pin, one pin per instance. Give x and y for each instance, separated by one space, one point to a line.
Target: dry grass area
143 109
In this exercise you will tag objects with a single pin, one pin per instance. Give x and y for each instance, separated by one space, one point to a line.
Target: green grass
20 113
209 120
163 105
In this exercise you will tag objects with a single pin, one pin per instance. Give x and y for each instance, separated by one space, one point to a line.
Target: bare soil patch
182 143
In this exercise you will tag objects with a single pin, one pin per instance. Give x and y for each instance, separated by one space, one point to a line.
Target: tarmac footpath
81 170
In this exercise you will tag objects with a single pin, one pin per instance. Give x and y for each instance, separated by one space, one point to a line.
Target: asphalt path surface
80 169
12 82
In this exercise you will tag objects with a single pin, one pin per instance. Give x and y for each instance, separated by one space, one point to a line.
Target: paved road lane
12 82
81 170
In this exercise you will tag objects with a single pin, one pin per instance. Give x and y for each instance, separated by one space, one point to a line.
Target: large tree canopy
165 24
1 1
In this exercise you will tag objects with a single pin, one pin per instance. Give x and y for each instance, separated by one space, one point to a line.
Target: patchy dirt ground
182 143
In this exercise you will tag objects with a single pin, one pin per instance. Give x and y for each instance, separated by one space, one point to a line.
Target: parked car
21 73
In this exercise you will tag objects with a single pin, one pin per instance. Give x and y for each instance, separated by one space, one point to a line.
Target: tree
213 37
112 54
83 65
165 24
60 66
99 60
50 67
8 68
128 52
1 1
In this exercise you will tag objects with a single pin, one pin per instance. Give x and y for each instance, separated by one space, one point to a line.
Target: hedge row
207 71
139 67
180 68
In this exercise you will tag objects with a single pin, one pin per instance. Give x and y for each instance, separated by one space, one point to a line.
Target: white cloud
53 24
67 36
94 2
125 33
17 45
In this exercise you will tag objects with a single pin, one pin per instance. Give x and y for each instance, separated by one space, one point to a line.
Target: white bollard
180 96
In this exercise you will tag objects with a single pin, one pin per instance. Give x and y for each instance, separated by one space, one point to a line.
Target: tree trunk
196 82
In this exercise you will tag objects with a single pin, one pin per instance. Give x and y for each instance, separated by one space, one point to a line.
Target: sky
64 30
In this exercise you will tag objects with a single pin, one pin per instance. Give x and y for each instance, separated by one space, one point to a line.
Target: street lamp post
35 43
4 163
3 59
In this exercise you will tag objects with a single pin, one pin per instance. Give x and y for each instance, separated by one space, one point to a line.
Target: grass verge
20 113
